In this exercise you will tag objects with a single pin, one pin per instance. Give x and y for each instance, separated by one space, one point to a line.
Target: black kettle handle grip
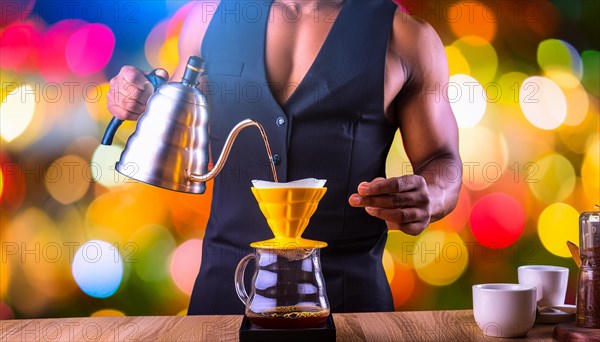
156 80
115 123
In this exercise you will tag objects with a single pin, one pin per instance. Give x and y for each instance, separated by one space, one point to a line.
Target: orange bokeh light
107 313
468 18
458 218
403 284
190 213
125 210
1 182
4 278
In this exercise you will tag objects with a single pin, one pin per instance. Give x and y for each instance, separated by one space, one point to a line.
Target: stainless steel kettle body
170 145
170 141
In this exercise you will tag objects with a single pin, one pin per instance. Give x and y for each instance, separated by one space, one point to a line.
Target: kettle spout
227 148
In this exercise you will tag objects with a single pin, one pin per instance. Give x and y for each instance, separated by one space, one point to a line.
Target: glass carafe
287 289
588 296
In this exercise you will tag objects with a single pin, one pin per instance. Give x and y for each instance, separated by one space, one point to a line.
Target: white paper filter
302 183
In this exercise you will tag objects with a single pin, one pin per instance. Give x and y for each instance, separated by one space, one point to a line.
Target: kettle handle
115 123
239 278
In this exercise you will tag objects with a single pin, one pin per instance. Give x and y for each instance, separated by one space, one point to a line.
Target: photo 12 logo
127 12
53 252
70 330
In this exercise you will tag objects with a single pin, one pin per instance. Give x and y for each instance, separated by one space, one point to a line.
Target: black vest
332 127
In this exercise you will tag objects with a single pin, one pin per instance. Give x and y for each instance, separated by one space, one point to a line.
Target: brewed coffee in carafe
288 290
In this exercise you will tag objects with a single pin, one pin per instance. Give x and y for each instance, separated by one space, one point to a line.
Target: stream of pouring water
268 148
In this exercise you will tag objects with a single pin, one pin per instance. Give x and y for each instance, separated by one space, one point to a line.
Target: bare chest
296 35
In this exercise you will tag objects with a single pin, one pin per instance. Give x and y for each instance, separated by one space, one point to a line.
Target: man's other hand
404 202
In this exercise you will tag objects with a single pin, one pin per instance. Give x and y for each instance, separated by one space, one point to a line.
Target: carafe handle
239 278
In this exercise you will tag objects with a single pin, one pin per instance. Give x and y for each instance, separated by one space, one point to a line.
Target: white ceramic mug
504 310
551 282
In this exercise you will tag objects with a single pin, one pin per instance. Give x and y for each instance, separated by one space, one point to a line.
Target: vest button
280 121
276 159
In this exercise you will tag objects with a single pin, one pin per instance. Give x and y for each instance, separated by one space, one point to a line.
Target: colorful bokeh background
78 239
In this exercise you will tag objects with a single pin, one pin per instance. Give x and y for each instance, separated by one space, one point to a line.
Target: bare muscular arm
430 137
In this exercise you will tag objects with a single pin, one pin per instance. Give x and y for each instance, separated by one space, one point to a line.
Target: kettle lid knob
194 68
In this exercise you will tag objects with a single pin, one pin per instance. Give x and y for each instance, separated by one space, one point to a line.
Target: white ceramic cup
504 310
551 282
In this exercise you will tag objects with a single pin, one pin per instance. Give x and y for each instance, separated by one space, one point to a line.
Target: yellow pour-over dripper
288 211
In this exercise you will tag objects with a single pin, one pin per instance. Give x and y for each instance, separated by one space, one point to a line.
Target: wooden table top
390 326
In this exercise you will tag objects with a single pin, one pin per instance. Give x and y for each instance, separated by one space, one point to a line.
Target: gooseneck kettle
170 145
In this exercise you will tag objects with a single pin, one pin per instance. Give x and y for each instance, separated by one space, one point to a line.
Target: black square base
252 333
